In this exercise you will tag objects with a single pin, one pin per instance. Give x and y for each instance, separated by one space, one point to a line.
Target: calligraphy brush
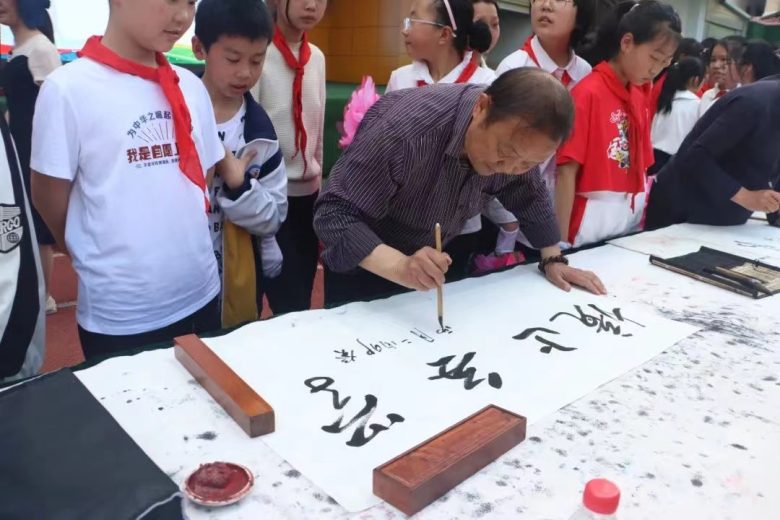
440 289
744 279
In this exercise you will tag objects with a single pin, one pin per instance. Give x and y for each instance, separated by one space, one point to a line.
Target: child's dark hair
34 15
47 28
536 97
645 20
470 34
709 43
583 23
707 46
689 47
763 57
678 78
247 18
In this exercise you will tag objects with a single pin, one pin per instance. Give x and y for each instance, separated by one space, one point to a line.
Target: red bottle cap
601 496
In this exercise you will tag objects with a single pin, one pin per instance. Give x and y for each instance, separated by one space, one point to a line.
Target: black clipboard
734 273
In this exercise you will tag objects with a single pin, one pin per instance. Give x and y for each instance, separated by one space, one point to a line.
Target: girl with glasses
441 37
445 44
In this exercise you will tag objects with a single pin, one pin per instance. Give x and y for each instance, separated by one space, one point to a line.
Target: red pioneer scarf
166 77
640 150
705 86
298 65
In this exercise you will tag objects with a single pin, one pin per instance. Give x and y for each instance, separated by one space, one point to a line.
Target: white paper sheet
755 240
278 357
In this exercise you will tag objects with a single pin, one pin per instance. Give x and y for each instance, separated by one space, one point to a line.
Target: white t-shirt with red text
136 227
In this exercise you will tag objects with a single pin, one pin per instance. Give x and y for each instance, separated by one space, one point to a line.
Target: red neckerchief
166 77
705 86
528 48
298 65
721 93
638 127
466 74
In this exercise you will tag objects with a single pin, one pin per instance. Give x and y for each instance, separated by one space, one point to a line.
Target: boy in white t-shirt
121 146
249 201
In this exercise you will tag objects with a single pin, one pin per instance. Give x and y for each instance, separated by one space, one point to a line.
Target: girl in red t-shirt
600 191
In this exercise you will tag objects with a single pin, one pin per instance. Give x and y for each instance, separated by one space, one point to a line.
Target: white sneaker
51 305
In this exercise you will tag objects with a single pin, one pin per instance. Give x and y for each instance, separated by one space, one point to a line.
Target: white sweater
274 93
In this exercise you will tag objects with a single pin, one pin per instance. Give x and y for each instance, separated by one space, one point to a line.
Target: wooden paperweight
415 479
252 413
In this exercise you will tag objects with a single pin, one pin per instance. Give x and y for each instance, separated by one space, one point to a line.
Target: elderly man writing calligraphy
431 155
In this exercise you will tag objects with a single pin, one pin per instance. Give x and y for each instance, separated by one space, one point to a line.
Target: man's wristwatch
559 259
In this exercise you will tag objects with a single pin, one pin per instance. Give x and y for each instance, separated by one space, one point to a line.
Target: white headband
452 18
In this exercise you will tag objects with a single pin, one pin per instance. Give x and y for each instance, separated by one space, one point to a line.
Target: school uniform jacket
259 206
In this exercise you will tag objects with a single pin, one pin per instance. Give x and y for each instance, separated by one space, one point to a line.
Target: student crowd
185 201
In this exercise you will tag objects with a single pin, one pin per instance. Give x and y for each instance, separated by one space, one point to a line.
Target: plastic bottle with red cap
600 501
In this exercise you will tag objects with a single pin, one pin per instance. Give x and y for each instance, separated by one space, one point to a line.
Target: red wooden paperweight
417 478
252 413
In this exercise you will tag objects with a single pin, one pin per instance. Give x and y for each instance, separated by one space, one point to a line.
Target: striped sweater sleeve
359 191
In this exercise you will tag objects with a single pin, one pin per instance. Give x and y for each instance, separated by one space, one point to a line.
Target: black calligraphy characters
462 372
593 317
359 421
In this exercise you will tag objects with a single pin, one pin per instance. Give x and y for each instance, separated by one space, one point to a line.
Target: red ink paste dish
218 484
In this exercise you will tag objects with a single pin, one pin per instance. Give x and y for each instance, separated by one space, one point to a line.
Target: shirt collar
421 71
546 63
464 109
686 94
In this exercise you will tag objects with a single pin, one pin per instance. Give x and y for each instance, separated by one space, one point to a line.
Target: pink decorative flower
362 99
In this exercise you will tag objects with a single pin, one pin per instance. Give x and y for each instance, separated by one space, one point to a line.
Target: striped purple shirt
404 172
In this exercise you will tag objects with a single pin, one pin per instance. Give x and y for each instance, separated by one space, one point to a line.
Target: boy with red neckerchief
122 143
292 91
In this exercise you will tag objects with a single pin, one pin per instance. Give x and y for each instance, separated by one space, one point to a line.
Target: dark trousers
291 290
207 319
661 158
361 285
665 206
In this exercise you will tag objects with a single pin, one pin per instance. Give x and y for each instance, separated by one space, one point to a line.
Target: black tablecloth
63 456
